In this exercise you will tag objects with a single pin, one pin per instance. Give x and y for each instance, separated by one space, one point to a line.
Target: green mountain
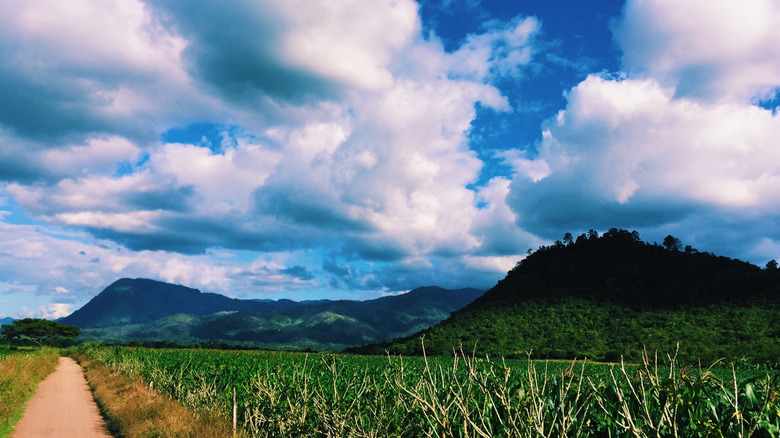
338 324
134 301
607 297
150 311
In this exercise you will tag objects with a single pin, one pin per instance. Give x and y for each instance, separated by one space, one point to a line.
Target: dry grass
132 409
20 374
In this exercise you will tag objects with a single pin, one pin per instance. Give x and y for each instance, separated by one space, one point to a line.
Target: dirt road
62 407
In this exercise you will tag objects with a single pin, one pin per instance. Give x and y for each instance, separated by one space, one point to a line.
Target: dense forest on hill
606 297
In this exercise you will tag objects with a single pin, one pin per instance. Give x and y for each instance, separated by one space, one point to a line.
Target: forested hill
140 300
605 297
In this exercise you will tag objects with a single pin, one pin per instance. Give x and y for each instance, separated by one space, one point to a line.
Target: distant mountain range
137 301
151 311
608 297
600 297
4 321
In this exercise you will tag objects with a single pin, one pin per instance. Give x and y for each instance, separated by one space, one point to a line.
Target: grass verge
131 409
20 373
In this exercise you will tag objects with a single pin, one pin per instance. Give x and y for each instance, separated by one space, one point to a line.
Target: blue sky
352 149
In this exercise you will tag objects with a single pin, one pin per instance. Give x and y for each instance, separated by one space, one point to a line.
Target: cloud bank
342 135
289 148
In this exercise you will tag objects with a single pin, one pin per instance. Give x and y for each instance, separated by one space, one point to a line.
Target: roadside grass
20 373
132 409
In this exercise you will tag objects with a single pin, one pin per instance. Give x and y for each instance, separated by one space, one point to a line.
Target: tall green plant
284 394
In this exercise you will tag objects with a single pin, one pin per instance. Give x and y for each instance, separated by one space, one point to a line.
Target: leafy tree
40 331
771 265
672 243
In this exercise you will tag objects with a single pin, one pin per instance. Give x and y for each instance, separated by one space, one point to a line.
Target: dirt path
62 407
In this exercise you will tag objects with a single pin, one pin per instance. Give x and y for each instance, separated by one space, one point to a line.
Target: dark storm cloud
304 206
340 276
236 48
25 161
554 206
192 234
56 105
44 108
178 199
448 274
181 242
335 269
379 249
17 164
299 272
715 232
503 239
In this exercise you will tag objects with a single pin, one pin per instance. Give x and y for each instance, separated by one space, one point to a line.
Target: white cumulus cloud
673 143
713 50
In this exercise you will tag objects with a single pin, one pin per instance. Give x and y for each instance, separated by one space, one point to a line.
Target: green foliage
611 296
293 394
39 331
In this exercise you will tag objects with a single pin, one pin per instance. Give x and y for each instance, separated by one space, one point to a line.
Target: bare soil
62 407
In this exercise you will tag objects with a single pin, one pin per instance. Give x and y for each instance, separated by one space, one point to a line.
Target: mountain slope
607 297
342 323
151 311
134 301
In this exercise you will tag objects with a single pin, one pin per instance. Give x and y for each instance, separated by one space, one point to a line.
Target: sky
354 149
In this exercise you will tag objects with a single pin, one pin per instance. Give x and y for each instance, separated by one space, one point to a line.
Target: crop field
296 394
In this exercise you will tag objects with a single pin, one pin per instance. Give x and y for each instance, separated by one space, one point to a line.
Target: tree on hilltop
672 243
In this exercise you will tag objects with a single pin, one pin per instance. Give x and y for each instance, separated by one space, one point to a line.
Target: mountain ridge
151 311
139 300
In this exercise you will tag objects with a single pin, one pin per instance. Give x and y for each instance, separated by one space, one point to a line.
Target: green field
296 394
